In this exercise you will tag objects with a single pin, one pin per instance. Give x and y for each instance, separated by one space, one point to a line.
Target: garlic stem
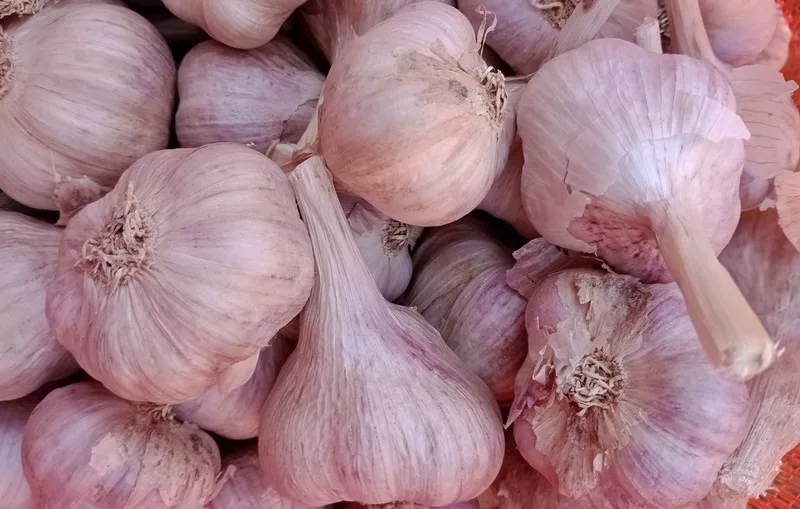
583 25
648 36
331 237
689 35
731 334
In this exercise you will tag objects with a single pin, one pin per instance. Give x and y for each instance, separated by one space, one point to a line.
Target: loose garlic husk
616 403
384 245
73 129
655 198
235 414
740 30
527 29
258 96
85 447
243 24
371 385
459 287
334 23
767 269
31 355
246 488
176 279
14 489
433 160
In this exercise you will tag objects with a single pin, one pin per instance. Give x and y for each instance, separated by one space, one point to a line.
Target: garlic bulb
460 288
257 96
776 53
773 288
235 414
31 356
84 447
650 185
433 159
176 279
243 24
787 189
371 386
334 23
65 121
384 245
616 403
246 488
739 30
527 29
14 489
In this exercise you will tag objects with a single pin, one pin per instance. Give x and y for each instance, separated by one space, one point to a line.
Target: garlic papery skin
459 287
235 414
258 96
334 23
620 404
527 29
787 191
242 24
767 269
384 245
85 447
413 120
651 186
175 280
14 489
30 356
739 30
385 394
61 120
246 488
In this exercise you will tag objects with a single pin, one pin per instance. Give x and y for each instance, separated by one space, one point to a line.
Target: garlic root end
730 332
6 62
21 7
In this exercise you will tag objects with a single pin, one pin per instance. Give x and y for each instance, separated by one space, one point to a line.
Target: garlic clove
31 355
84 447
603 181
259 96
215 261
787 190
14 489
449 128
65 120
387 397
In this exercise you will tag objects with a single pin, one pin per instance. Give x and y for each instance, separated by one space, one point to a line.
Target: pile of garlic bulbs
396 254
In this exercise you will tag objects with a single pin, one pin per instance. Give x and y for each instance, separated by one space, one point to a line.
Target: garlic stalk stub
459 287
767 269
650 185
31 356
91 120
14 489
243 24
619 407
85 447
257 96
433 159
176 279
527 29
235 414
246 488
334 23
372 386
384 245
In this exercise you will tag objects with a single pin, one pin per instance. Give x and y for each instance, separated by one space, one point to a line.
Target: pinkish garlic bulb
527 29
459 287
14 489
174 281
787 191
767 269
617 405
334 23
235 414
384 244
83 447
372 406
257 97
740 30
30 356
